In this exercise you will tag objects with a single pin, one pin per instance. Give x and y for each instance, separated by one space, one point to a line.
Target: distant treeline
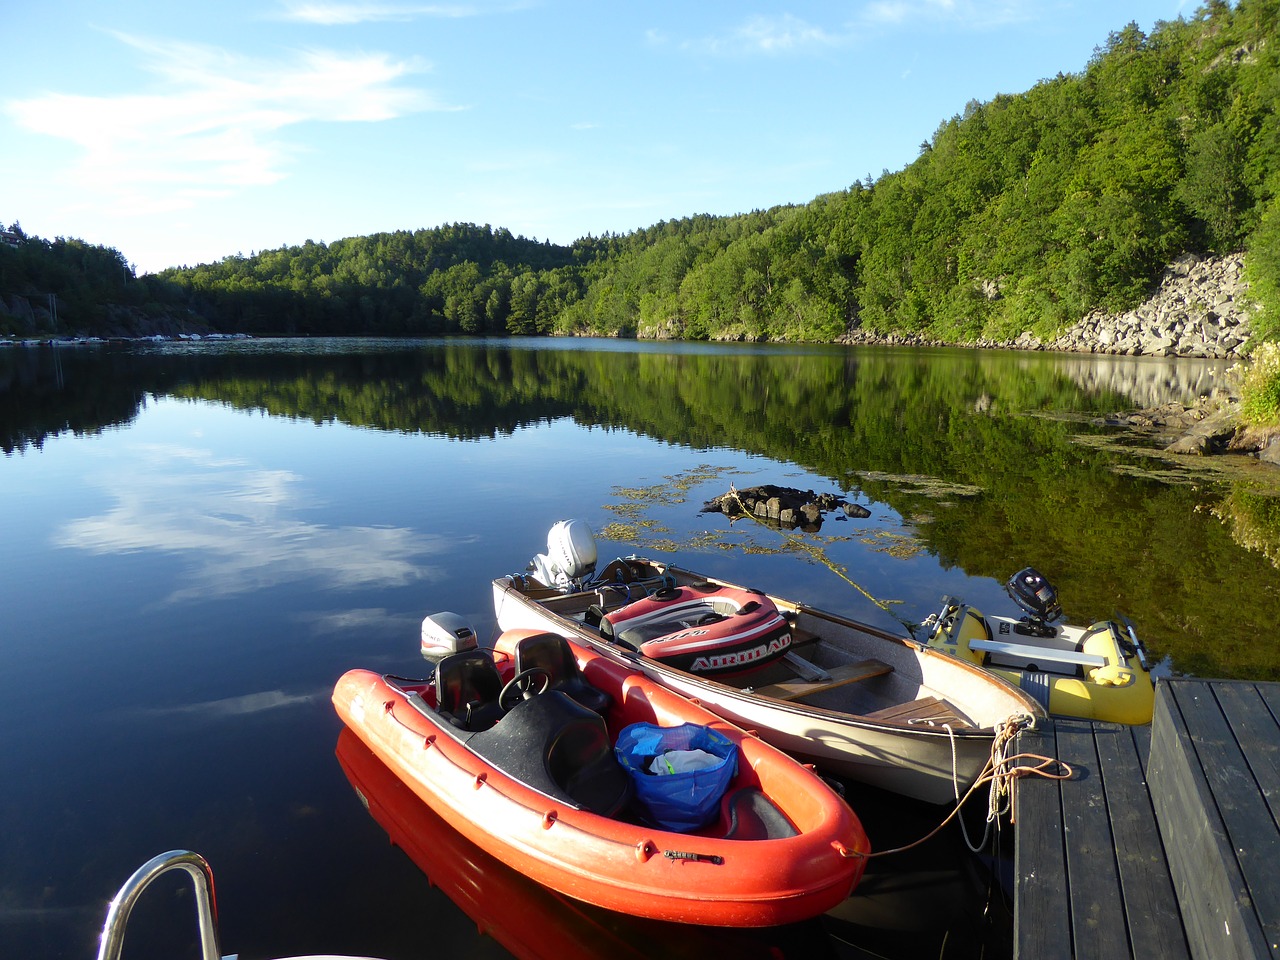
1023 213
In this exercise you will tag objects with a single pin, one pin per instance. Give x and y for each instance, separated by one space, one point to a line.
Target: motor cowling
446 633
570 557
1035 595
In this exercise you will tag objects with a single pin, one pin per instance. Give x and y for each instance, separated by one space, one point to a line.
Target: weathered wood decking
1165 841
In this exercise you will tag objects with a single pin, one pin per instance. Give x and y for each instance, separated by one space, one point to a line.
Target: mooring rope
1000 770
818 554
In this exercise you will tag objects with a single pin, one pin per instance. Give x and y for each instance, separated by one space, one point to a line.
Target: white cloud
965 13
344 14
756 35
785 34
788 34
215 127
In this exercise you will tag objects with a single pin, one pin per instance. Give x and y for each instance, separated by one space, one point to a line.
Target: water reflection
198 542
235 527
242 706
906 429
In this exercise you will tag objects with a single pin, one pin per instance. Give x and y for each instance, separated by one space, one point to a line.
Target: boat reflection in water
918 905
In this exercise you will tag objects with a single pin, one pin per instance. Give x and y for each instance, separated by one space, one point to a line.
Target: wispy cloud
756 35
786 34
214 125
337 14
972 14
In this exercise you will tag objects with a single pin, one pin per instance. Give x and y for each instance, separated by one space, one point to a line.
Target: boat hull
1081 673
622 864
932 761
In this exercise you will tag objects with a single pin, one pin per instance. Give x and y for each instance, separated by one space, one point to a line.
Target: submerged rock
785 506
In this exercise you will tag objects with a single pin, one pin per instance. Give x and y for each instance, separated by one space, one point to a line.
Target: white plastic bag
682 761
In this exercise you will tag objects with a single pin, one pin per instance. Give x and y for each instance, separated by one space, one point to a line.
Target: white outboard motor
446 633
570 556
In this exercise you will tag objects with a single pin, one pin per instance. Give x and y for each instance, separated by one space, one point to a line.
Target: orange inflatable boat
518 749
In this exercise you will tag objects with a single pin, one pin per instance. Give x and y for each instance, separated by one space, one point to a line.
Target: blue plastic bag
677 801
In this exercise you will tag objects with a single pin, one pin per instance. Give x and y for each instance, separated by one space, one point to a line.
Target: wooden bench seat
836 677
925 710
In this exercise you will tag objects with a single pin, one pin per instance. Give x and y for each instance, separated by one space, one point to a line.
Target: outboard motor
570 558
444 634
1037 596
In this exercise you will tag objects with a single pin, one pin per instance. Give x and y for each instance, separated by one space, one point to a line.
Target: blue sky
180 133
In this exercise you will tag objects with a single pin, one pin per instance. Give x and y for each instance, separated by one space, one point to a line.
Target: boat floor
861 686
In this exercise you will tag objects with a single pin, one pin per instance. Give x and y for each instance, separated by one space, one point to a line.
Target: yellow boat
1098 672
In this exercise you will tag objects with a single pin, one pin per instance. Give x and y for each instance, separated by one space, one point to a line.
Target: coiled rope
1000 770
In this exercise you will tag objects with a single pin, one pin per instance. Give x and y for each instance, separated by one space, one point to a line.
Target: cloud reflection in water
235 528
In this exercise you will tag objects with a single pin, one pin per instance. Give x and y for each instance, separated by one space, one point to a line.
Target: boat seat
836 677
634 637
925 710
552 653
753 816
557 746
467 689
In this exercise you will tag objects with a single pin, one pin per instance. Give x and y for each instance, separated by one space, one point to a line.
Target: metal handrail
112 941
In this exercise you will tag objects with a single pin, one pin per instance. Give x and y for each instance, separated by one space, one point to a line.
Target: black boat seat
552 653
555 745
467 689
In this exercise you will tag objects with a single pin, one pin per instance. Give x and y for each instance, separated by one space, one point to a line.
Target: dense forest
1024 213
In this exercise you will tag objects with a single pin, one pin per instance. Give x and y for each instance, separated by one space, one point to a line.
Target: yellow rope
819 554
1000 770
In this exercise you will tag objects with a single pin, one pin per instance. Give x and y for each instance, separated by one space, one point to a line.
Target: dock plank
1163 841
1150 906
1042 916
1098 927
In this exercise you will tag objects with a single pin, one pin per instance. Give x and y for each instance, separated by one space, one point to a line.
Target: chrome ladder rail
112 940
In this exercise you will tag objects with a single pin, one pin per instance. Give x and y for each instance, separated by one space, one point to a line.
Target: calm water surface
198 540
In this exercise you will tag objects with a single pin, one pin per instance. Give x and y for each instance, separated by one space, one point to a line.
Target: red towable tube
708 629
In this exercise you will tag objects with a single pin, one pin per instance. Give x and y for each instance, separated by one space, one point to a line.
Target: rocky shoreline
1200 309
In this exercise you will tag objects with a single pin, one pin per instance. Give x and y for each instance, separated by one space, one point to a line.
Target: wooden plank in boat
848 673
925 709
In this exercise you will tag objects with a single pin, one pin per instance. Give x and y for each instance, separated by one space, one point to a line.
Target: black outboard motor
1037 596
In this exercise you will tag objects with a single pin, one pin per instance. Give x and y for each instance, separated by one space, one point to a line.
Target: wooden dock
1165 842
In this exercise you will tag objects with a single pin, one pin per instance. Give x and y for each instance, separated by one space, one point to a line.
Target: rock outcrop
1201 309
785 506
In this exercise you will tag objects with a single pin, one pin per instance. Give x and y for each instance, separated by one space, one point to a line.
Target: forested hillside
1023 213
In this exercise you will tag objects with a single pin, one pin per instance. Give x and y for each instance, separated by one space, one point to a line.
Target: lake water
200 538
